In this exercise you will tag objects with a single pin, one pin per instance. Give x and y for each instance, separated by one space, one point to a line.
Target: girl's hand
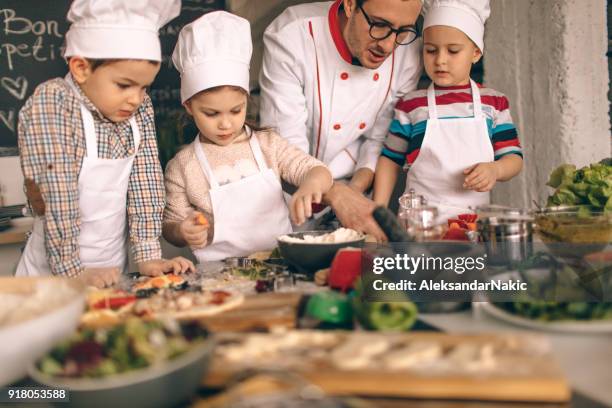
481 177
301 203
157 267
194 230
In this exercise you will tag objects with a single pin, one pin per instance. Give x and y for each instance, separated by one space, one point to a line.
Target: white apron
449 147
249 214
103 186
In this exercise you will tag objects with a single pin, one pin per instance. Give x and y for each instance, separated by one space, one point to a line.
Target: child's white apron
249 214
449 147
103 187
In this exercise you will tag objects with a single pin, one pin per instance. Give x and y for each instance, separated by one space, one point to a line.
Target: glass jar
408 202
421 224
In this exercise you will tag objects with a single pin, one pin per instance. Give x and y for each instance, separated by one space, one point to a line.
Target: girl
231 170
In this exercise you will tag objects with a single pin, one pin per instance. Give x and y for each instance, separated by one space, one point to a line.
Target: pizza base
100 318
159 282
235 300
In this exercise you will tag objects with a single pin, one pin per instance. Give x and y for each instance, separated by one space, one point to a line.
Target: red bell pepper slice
114 303
468 217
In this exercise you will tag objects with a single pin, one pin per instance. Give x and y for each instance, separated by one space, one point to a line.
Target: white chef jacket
317 99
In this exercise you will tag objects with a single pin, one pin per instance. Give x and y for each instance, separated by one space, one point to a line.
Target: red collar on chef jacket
334 28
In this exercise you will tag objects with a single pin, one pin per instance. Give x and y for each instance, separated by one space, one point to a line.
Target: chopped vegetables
458 227
558 311
114 302
130 346
397 316
394 316
538 304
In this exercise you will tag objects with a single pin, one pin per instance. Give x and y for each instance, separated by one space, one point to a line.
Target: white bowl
26 341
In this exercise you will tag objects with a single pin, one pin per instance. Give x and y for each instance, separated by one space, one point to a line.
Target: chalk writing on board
31 48
38 50
8 119
16 87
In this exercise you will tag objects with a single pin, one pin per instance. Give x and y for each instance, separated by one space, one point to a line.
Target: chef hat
214 50
468 16
121 29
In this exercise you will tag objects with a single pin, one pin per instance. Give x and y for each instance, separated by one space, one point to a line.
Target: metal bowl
507 240
167 384
310 257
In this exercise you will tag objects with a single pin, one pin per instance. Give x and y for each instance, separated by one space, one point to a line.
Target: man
331 75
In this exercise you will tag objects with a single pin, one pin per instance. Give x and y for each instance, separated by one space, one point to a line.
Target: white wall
549 58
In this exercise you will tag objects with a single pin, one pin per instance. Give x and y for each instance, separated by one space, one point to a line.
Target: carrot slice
201 220
158 282
174 278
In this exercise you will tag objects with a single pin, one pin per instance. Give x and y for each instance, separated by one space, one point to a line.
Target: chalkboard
31 46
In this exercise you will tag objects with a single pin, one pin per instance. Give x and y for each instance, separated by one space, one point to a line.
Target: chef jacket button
376 76
344 75
337 126
362 125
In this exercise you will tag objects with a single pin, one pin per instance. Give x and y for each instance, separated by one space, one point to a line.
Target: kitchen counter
586 359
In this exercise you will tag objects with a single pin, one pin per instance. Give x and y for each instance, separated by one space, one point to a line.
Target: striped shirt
52 146
409 124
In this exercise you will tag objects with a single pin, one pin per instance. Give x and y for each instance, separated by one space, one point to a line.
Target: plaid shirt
52 147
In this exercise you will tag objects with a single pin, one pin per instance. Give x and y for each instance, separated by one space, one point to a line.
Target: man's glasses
380 31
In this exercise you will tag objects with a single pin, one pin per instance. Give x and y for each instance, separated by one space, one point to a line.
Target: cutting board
532 377
260 312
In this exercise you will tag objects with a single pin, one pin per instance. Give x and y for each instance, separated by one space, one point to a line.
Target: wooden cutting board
538 377
260 312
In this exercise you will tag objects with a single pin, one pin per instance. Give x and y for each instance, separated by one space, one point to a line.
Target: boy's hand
481 177
301 203
194 230
100 277
157 267
34 197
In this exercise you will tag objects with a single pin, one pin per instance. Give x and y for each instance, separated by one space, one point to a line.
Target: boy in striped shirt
470 143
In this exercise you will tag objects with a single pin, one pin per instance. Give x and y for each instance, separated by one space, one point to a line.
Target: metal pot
507 240
502 211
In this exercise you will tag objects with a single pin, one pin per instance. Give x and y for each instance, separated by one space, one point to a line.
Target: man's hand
354 210
157 267
362 180
100 277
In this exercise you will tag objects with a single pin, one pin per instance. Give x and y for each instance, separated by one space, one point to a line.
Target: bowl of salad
138 363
